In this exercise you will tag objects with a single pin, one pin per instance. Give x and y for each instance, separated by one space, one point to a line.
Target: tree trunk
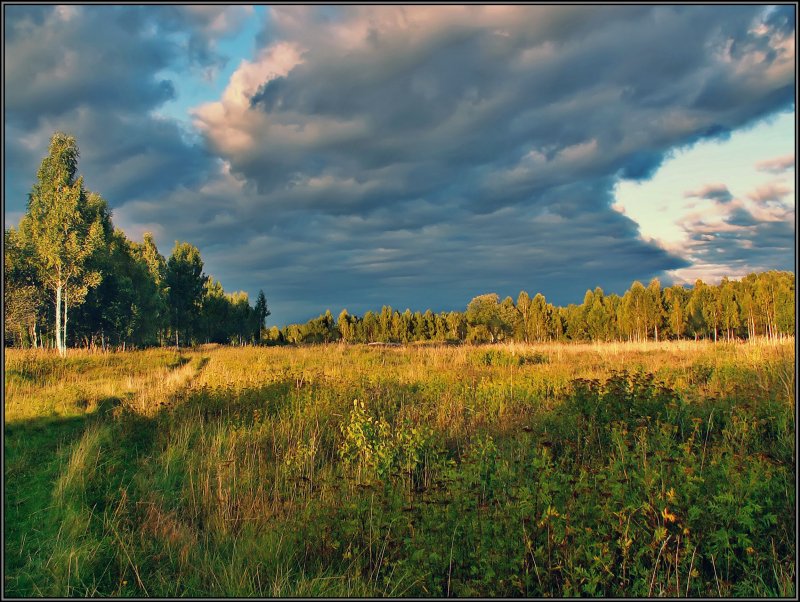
58 319
64 339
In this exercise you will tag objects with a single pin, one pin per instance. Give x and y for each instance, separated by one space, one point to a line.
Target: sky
417 156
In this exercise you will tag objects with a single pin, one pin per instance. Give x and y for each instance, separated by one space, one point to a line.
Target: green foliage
62 231
484 311
498 357
185 282
112 291
373 449
760 305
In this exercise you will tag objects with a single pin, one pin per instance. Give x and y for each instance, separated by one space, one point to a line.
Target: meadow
617 469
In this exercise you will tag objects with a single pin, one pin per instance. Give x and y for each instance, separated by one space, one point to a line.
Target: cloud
94 72
739 236
412 155
477 111
772 192
348 92
711 192
777 165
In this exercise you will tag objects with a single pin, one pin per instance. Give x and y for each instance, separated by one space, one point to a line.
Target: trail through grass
48 455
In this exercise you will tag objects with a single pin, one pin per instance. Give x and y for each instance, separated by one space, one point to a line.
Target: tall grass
601 469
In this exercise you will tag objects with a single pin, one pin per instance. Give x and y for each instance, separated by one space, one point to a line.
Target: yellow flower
671 494
750 550
668 516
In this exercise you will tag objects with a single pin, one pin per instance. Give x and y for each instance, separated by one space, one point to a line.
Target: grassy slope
466 471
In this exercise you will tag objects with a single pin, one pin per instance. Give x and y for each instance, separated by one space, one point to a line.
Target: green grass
590 470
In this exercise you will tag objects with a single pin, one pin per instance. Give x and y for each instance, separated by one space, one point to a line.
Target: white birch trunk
64 339
58 319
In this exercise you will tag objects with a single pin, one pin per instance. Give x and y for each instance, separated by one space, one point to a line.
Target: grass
593 470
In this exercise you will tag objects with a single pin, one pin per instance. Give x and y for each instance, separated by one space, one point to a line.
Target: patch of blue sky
658 204
195 86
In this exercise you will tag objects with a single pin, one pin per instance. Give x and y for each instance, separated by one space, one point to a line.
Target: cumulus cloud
711 192
421 155
348 91
479 110
770 193
739 236
776 165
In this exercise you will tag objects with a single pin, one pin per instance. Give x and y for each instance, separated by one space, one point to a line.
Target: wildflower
750 550
668 516
671 494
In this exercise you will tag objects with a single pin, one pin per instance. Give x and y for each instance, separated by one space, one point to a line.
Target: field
657 469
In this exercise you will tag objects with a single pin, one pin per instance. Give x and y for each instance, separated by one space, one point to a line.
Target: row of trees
66 264
758 305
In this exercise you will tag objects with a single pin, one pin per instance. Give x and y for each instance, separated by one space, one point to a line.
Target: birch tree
676 298
654 307
63 231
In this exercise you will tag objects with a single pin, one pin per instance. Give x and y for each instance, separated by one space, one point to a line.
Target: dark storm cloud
475 94
99 59
515 122
416 156
94 72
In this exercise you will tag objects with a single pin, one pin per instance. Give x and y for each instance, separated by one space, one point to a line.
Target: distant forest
67 264
758 305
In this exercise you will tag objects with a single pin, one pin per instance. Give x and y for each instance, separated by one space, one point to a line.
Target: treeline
72 279
758 305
